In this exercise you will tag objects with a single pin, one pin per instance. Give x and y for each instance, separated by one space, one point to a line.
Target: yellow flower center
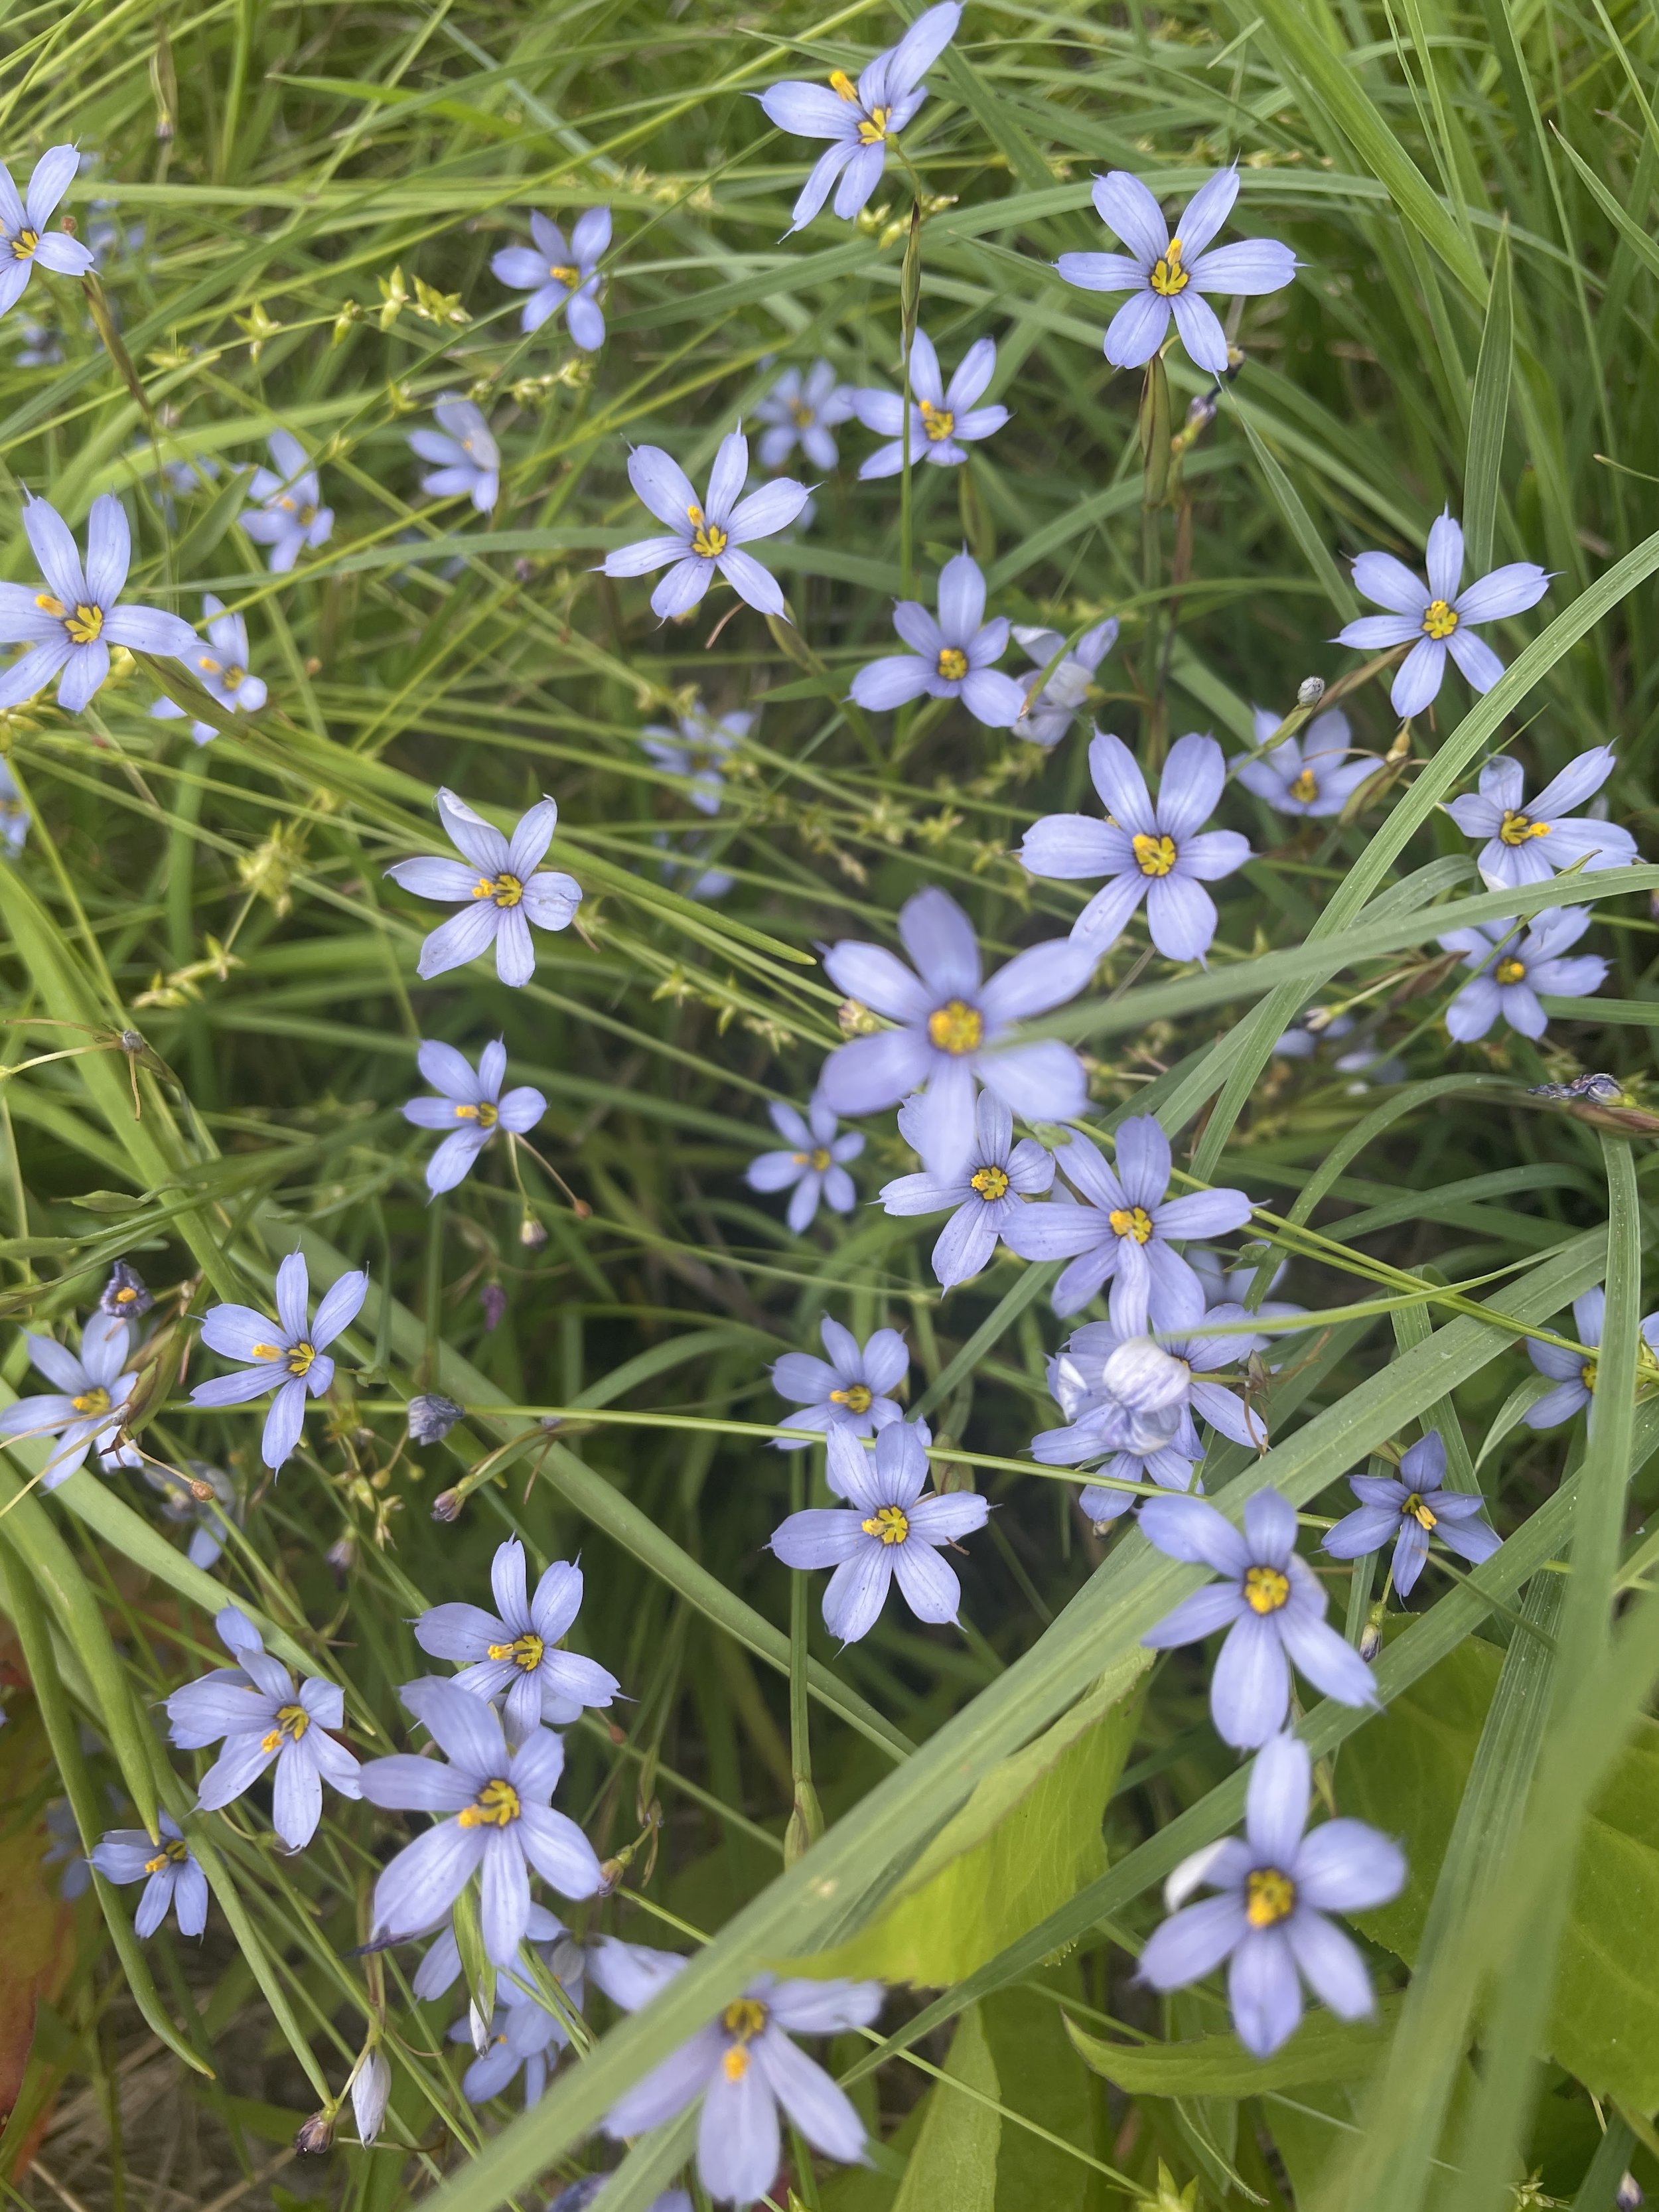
234 677
1266 1589
801 413
95 1401
873 129
1132 1221
525 1651
709 540
484 1114
1511 970
890 1524
1269 1897
1154 856
956 1027
743 2018
1439 618
24 244
938 421
991 1182
1587 1374
1516 829
857 1397
292 1722
1306 787
952 662
84 623
506 891
843 87
1168 276
173 1849
301 1358
1415 1509
496 1806
569 278
817 1161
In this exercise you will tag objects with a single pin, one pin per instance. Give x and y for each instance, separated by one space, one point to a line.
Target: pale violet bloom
168 1870
1120 1227
950 658
491 1818
287 513
13 815
743 2067
525 2036
513 1654
261 1716
1436 618
859 120
1232 1286
1510 970
1051 714
1167 272
87 1408
220 669
556 274
887 1527
1315 774
71 625
1527 844
1269 1601
708 534
1275 1887
24 238
1151 850
802 410
1574 1375
813 1168
849 1391
944 419
500 886
997 1178
1409 1507
470 1109
698 750
287 1355
440 1969
951 1029
371 2092
466 460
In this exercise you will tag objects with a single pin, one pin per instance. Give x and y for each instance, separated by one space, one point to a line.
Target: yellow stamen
301 1356
234 678
1439 619
857 1397
506 891
124 1297
85 624
744 2018
484 1114
95 1401
991 1182
817 1161
496 1806
938 421
292 1722
1415 1509
525 1651
1305 789
48 605
1266 1589
1154 856
952 662
873 129
1511 970
891 1523
266 1352
709 540
1516 829
1269 1897
24 244
1168 276
1587 1374
802 414
1132 1221
842 86
956 1027
569 278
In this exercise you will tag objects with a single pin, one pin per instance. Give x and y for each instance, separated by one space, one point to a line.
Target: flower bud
315 2136
493 1299
1630 2195
370 2088
531 1234
447 1505
431 1418
341 1558
1310 691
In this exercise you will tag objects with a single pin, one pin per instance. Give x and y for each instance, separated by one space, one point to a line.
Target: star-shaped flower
559 275
1436 618
501 890
944 420
1314 775
70 624
221 669
950 658
466 460
708 534
471 1107
25 240
286 1355
1511 968
1525 844
1409 1507
513 1654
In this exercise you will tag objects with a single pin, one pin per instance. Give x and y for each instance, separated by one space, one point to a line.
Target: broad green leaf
955 2160
1041 2081
1323 2049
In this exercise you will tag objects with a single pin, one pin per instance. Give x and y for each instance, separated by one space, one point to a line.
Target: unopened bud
370 2090
447 1505
1146 1378
343 1556
1201 411
493 1299
431 1418
532 1235
1310 691
1630 2195
315 2134
806 1822
855 1019
1371 1642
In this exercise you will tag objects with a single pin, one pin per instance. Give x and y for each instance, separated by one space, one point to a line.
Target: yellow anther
857 1397
1511 970
85 625
1154 856
1415 1509
235 678
956 1027
1305 789
24 244
1439 619
155 1865
484 1114
496 1806
525 1651
301 1357
842 86
1269 1897
873 129
1266 1589
952 662
743 2018
801 415
1516 829
1587 1375
735 2064
938 421
48 605
1132 1221
506 891
890 1524
95 1401
569 278
1168 277
266 1352
991 1182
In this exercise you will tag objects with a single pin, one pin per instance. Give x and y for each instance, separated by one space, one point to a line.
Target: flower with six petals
168 1870
24 238
1436 618
466 458
944 419
501 890
1525 844
69 625
513 1654
556 274
709 534
849 1391
1409 1507
88 1405
1511 968
287 513
472 1109
950 658
1572 1373
221 670
813 1168
1314 775
801 409
997 1178
286 1355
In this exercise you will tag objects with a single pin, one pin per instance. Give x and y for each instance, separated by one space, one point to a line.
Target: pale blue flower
287 513
466 460
13 815
1051 714
1270 1603
168 1869
1529 844
1407 1507
697 750
802 410
708 534
950 658
470 1109
525 2035
71 625
1167 272
887 1528
1436 618
1315 774
1511 968
944 420
1573 1375
1275 1885
500 886
261 1716
513 1654
859 120
24 238
997 1178
556 274
286 1355
221 668
952 1032
440 1968
850 1391
87 1409
813 1168
1150 850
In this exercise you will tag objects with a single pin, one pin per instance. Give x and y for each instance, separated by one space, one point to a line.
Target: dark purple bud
493 1299
315 2136
1630 2195
125 1294
447 1505
431 1418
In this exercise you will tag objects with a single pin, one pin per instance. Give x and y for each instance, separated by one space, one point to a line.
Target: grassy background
1471 191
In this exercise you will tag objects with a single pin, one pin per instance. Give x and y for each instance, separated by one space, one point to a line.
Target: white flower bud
1310 691
1144 1377
370 2089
